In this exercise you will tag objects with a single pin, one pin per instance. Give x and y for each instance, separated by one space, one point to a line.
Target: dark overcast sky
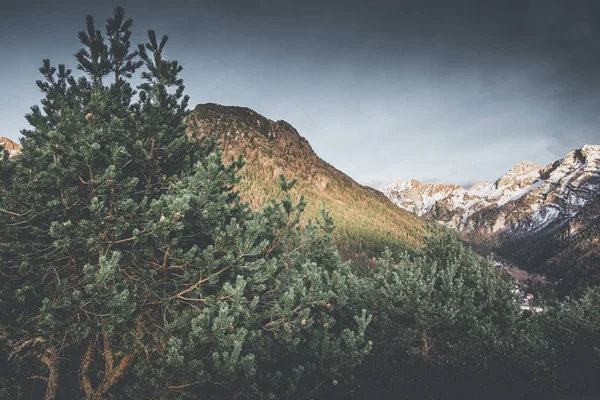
452 91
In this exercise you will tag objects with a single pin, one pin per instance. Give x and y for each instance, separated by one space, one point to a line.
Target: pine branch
50 360
194 286
13 213
179 387
86 384
113 370
129 239
107 355
164 265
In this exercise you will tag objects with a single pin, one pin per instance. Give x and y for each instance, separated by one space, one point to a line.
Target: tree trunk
50 359
114 376
113 371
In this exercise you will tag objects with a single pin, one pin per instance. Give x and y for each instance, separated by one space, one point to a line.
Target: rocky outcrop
12 147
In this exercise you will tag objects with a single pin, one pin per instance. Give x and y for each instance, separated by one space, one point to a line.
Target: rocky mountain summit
525 200
12 147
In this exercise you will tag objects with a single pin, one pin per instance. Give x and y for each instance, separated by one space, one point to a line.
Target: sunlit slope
366 220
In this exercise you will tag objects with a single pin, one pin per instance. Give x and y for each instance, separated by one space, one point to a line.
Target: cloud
383 90
375 184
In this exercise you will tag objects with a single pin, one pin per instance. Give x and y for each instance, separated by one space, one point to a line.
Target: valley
532 216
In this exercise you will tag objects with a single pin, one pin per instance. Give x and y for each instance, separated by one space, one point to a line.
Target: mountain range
536 216
542 219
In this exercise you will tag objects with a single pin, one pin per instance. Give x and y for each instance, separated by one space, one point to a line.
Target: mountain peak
478 185
595 148
234 121
243 130
272 148
585 159
420 198
524 167
521 175
12 147
591 153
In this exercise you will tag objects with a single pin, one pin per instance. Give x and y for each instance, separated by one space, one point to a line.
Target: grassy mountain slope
366 220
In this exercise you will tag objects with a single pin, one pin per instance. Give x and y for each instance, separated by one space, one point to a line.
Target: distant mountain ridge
527 199
544 218
366 220
453 205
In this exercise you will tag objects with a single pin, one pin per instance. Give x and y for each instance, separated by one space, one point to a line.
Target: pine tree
131 267
437 317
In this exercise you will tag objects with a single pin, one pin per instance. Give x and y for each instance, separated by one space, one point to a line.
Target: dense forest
130 268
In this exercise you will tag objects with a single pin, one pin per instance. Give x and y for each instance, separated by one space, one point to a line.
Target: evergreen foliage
447 324
444 310
130 268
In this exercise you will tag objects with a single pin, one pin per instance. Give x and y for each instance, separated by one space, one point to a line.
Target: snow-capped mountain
526 200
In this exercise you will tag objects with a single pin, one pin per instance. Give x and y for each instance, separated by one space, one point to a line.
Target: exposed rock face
526 200
12 147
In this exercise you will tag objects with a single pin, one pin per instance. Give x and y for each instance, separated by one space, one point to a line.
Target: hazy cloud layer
436 90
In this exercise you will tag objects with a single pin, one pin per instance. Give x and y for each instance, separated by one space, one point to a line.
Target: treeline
131 269
366 224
